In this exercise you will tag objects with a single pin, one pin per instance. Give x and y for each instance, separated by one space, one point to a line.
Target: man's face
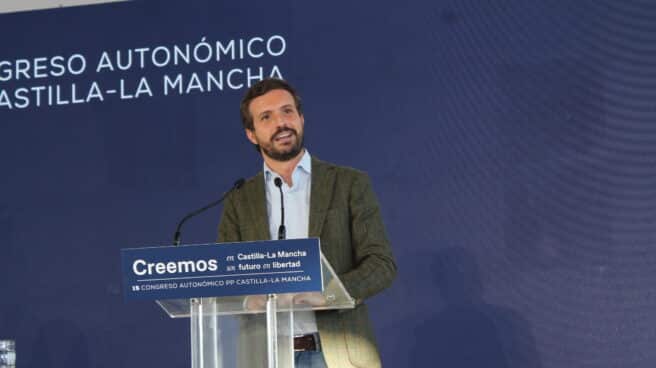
277 125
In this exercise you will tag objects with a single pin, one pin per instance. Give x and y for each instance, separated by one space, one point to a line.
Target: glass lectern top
334 296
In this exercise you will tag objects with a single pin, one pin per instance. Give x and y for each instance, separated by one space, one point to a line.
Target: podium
253 331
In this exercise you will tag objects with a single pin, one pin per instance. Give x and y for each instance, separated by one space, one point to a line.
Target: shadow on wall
559 171
469 332
15 316
60 343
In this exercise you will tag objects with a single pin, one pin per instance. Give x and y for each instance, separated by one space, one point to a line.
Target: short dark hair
261 88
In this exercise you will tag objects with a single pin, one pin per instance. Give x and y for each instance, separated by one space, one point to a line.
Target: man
336 204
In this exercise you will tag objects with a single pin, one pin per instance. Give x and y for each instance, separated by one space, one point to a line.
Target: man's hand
255 302
314 299
258 302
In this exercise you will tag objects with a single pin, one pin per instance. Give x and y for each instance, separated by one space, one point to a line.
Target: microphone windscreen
238 183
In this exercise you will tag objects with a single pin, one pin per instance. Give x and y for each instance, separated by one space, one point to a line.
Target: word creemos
141 267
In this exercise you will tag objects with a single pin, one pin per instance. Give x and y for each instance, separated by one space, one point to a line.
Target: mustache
282 130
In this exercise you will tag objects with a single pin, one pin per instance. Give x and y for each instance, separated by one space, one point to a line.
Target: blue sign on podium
223 269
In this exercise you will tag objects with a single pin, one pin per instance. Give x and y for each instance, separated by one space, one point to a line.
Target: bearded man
336 204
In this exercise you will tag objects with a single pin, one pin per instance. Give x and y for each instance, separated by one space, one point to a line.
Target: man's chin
284 155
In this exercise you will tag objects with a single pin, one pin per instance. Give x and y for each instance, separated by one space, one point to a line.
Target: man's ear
250 134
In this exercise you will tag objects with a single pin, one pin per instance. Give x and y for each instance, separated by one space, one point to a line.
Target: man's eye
264 117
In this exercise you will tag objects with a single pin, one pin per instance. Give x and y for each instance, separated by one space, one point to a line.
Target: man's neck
284 168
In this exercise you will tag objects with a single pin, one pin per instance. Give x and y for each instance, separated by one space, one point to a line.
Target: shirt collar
305 164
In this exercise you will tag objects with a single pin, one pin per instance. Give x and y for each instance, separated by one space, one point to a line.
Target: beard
287 153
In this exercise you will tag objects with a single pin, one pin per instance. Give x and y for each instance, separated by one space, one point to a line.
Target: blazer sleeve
229 223
374 266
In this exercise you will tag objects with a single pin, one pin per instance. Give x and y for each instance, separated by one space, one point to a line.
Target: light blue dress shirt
297 218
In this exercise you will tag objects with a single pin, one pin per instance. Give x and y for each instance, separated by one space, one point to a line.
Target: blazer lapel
321 194
257 206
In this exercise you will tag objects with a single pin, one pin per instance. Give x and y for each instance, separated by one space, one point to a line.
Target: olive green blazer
345 215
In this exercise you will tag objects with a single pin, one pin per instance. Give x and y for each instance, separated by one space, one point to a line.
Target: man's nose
280 120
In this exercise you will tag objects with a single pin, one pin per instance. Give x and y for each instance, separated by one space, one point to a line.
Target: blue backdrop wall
511 144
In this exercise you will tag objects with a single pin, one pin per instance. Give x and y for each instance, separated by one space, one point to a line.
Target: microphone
176 236
282 232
